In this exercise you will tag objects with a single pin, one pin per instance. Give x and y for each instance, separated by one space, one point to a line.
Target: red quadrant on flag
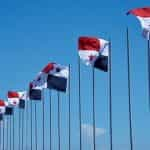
89 43
13 94
141 12
48 68
2 103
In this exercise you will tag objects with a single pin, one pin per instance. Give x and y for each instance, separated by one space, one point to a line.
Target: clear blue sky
35 32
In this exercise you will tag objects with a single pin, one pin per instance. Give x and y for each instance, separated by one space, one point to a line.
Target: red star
91 58
14 103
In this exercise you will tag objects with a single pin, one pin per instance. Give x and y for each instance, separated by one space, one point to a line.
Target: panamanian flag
17 98
94 51
23 97
5 109
143 15
37 85
35 91
57 76
2 107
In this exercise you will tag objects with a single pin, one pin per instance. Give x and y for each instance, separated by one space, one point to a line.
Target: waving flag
38 84
143 15
2 107
57 76
13 98
35 92
5 108
23 96
94 51
17 98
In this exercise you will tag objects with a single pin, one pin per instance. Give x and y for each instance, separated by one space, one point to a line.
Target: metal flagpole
13 130
110 99
35 127
27 112
129 91
43 122
19 145
0 135
69 109
93 92
31 122
22 128
148 64
58 96
10 132
80 125
26 122
7 132
50 114
4 134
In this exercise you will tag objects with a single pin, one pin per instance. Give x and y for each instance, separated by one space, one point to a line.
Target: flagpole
58 96
93 92
27 111
43 122
35 127
10 132
13 130
19 145
31 122
79 82
69 109
148 64
0 135
50 112
4 134
22 128
129 91
1 132
110 99
7 133
7 139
